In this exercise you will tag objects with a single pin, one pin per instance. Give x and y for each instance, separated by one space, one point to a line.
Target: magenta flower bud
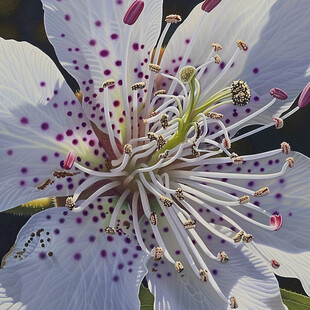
133 12
278 93
209 5
69 161
276 221
304 98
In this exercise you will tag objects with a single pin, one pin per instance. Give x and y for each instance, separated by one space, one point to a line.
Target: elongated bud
276 221
278 93
304 98
69 161
209 5
133 12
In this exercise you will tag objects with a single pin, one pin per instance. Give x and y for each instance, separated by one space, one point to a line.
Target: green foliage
295 301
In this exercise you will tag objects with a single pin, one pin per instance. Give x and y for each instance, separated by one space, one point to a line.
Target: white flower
141 157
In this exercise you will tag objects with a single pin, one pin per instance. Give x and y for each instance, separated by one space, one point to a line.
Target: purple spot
59 137
290 214
24 120
255 70
67 17
249 215
92 42
107 72
70 240
98 23
95 219
270 162
104 53
56 231
114 36
251 183
24 170
256 98
158 275
42 84
79 220
187 41
22 183
110 238
166 229
48 217
214 271
256 164
120 266
135 46
44 158
115 278
222 65
92 238
278 196
177 252
118 63
125 251
281 181
77 256
59 187
42 255
44 126
69 132
61 220
9 152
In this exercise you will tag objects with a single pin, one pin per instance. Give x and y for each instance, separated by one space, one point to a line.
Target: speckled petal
69 262
40 122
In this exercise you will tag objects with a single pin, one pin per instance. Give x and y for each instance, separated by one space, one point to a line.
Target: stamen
173 19
226 143
139 85
128 149
244 199
160 92
155 68
187 73
276 221
237 160
203 275
209 5
69 161
189 224
195 152
262 192
223 257
241 94
238 236
233 303
179 193
290 161
247 238
179 267
278 93
110 230
279 123
217 59
217 47
152 136
63 174
45 184
241 44
153 218
167 202
163 155
164 121
285 147
274 264
160 142
70 204
108 83
214 115
158 253
133 12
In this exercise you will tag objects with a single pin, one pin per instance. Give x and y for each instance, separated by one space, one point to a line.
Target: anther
179 193
160 141
217 59
262 192
241 93
274 264
139 85
167 202
223 257
278 93
233 303
238 160
79 95
45 184
203 275
226 143
173 19
69 161
198 132
214 115
110 230
187 73
159 92
158 253
290 161
154 68
133 12
70 204
63 174
164 121
152 115
178 267
108 83
247 238
233 155
304 98
285 147
153 218
276 221
216 46
241 44
152 136
163 155
189 224
128 149
209 5
238 236
195 152
244 199
279 123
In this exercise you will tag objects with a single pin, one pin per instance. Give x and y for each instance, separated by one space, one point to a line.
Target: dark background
23 20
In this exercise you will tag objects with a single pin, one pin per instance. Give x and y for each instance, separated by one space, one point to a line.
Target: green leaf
146 299
295 301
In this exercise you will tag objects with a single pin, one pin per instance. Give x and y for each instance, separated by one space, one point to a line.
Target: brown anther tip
70 204
247 238
279 123
285 147
233 303
262 192
139 85
189 224
216 46
178 267
160 92
108 83
155 68
160 141
173 19
158 253
238 236
164 121
223 257
163 155
153 218
233 155
226 143
128 149
238 160
241 44
214 115
179 193
167 202
244 199
217 59
110 230
290 161
203 275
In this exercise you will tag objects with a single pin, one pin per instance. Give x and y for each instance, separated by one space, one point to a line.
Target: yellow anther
217 47
154 68
262 192
139 85
241 44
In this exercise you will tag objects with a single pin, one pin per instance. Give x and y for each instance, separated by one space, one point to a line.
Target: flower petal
91 42
40 121
79 267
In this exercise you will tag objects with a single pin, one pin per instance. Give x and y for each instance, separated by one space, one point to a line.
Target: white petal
40 121
90 40
87 270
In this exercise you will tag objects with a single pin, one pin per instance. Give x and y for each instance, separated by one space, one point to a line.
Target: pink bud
276 221
69 161
304 98
209 5
278 93
274 264
133 12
